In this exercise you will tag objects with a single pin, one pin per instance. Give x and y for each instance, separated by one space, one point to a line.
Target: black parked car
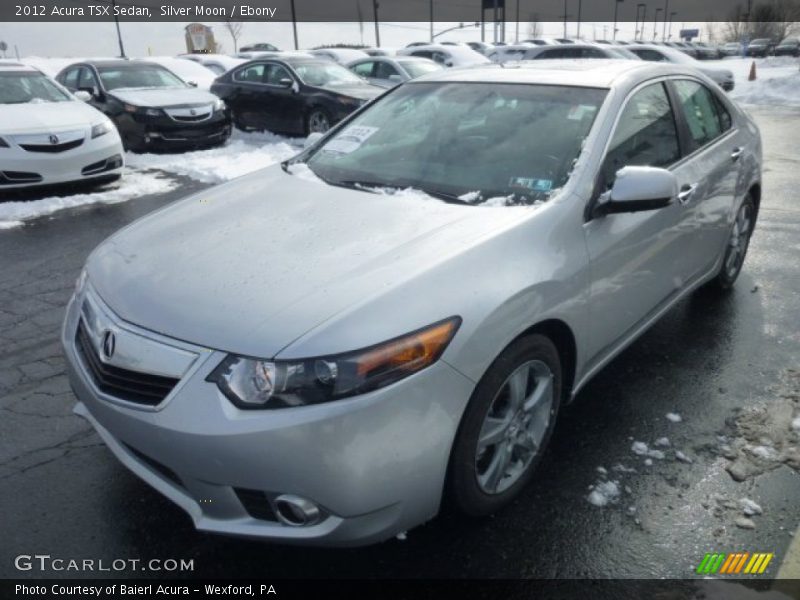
260 47
760 47
788 47
153 108
294 95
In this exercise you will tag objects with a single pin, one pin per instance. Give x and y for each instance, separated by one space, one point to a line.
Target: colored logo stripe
732 564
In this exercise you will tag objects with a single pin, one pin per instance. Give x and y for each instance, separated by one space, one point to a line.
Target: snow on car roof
15 66
597 73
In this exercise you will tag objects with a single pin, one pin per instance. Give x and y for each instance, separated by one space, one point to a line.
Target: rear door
711 166
247 100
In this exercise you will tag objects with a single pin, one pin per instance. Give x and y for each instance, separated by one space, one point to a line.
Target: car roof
15 66
117 62
590 73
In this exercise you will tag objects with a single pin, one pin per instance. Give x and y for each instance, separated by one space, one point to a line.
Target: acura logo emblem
53 139
109 343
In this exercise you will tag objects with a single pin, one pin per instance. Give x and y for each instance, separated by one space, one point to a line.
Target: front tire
318 121
738 243
506 426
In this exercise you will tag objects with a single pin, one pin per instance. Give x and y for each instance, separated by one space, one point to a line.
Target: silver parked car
722 77
320 352
388 72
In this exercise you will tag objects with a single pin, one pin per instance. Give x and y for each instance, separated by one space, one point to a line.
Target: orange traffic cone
752 76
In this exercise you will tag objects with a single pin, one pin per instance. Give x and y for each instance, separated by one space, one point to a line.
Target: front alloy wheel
506 426
318 121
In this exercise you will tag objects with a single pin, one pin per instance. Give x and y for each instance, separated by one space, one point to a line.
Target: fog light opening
295 511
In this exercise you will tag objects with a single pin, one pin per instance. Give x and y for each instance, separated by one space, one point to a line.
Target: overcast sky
141 39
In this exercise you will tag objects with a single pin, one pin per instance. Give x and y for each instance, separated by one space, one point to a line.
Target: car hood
252 265
161 97
47 116
362 92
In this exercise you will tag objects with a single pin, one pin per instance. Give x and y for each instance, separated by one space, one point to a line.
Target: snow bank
749 507
132 185
674 417
245 153
777 80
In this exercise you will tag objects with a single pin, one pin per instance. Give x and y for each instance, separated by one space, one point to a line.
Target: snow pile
663 442
777 80
682 457
245 153
674 417
132 185
604 493
641 449
767 453
303 171
796 424
749 507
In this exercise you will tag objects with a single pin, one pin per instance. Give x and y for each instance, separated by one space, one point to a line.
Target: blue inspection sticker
531 184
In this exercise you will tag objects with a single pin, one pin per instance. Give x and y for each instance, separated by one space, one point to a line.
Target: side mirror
638 189
92 91
83 95
192 83
312 139
286 82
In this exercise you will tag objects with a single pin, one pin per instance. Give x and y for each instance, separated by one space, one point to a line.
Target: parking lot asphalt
709 360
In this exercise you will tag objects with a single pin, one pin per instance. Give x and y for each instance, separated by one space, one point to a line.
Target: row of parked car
97 109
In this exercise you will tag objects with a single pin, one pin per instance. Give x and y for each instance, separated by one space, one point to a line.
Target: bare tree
534 27
773 19
235 30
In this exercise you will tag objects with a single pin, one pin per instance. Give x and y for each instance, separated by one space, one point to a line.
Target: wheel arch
564 340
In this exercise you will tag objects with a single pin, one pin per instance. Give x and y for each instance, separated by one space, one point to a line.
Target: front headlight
219 104
80 282
262 384
101 129
141 110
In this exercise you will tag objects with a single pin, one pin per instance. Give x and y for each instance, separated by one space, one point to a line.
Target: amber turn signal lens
411 352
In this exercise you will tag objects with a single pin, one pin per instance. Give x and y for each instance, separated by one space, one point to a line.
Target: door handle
736 153
686 193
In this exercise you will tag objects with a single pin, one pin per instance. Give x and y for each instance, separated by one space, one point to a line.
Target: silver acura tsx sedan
328 350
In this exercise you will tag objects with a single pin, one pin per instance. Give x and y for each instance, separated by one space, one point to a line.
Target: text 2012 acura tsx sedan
322 351
153 108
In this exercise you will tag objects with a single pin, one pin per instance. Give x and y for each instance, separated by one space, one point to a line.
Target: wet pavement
710 360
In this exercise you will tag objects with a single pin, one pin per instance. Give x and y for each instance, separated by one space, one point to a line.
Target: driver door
639 261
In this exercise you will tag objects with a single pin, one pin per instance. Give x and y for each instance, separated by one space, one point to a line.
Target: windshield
624 53
24 87
469 142
790 41
140 76
325 74
760 42
417 68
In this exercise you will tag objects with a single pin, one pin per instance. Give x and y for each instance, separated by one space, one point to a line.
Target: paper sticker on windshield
579 111
350 139
531 185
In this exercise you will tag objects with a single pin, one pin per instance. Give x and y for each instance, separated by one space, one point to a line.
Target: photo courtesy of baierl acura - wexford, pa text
400 299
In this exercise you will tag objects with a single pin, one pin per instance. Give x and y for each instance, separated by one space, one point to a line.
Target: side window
593 53
364 69
423 53
87 79
725 119
384 70
250 74
275 73
558 53
646 134
700 109
650 55
71 79
439 57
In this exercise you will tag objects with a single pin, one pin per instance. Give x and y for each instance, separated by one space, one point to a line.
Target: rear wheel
738 243
506 426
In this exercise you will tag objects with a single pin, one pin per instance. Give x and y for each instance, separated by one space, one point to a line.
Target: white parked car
388 72
48 136
217 63
343 56
449 56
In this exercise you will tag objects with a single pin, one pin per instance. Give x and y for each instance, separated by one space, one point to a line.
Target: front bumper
164 133
374 464
94 159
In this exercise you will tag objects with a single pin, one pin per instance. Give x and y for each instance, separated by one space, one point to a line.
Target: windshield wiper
366 185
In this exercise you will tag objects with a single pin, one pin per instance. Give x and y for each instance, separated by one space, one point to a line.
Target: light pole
655 23
640 32
565 18
666 15
578 33
616 11
119 34
377 30
671 18
294 27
